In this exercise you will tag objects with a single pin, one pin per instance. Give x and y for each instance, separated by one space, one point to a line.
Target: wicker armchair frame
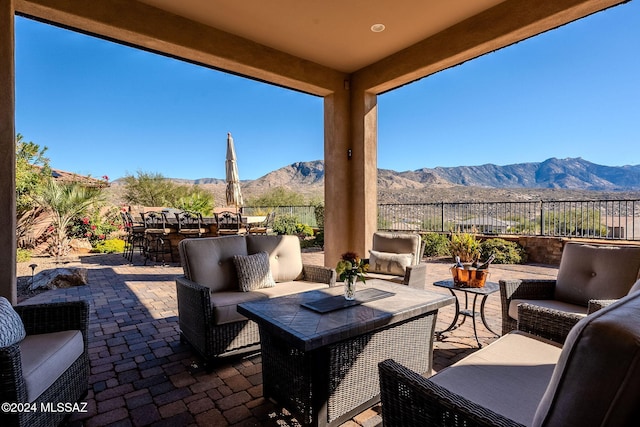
212 341
544 322
522 289
71 386
409 399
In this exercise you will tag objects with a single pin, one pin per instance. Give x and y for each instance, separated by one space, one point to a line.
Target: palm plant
64 202
196 201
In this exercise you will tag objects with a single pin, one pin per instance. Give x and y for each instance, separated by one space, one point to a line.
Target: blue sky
106 109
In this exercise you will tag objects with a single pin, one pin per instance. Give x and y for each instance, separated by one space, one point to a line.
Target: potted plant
465 247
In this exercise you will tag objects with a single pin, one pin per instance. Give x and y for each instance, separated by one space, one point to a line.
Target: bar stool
190 224
229 223
135 236
266 226
156 236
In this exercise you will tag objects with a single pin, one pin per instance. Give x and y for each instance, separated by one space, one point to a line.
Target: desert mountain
569 178
572 173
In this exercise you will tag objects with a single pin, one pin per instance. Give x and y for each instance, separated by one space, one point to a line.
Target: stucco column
364 140
7 153
337 229
350 172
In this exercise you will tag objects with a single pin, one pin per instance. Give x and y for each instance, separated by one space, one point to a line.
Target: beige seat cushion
597 378
285 257
225 304
508 377
389 278
552 304
193 231
288 288
596 272
46 356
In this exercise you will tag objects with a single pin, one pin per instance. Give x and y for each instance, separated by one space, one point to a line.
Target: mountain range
551 179
571 173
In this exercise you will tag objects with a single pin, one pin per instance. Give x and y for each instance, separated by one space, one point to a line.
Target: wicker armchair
396 257
589 277
522 379
46 325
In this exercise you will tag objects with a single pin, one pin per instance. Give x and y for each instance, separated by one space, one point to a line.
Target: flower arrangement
351 266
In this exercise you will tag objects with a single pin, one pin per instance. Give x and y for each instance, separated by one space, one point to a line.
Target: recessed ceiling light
377 28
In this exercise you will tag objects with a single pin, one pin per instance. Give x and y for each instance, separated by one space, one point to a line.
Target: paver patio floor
142 375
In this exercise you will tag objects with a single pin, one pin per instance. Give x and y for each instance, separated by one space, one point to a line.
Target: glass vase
350 288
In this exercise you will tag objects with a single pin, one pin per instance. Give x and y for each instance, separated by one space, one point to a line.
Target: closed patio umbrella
234 195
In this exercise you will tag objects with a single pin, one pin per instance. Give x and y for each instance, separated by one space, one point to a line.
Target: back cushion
399 243
596 272
285 258
209 261
389 263
597 378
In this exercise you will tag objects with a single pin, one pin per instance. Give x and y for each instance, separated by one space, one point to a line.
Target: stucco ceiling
333 33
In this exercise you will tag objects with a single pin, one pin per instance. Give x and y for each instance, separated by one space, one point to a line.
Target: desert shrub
285 224
289 224
109 246
23 255
436 244
153 189
465 246
506 252
304 230
279 196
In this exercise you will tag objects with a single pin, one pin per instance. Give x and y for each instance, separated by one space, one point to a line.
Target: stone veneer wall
540 250
548 250
543 250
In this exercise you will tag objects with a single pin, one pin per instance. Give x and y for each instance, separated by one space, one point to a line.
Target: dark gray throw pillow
254 271
11 326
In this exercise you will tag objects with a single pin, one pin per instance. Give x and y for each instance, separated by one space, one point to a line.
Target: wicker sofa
211 288
396 257
523 379
43 360
589 277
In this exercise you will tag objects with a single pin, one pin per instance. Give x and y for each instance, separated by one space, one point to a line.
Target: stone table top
307 330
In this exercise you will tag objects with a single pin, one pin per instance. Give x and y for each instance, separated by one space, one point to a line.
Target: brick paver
142 375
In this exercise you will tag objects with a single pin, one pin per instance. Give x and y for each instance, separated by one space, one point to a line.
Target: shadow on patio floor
141 374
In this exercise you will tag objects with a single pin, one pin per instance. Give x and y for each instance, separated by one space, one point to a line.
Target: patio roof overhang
322 48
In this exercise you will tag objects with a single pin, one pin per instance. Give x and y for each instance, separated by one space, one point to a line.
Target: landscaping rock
80 246
58 278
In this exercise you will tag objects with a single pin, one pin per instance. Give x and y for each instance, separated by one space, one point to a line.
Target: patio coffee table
323 366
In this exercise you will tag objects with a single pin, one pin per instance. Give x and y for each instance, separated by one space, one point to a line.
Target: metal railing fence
598 219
